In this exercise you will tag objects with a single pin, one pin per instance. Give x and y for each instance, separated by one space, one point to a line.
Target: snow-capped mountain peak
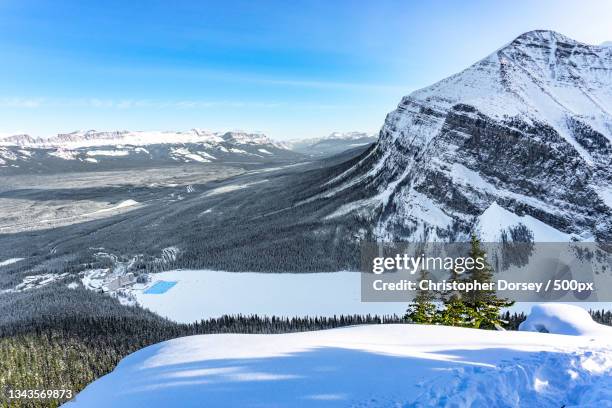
240 137
539 75
527 130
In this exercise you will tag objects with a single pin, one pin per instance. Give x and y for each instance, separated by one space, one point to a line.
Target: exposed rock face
247 138
526 131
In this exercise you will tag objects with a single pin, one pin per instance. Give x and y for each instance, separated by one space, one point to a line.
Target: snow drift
563 319
366 366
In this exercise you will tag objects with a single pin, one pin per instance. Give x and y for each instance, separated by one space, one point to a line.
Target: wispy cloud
25 103
127 104
165 104
316 84
104 103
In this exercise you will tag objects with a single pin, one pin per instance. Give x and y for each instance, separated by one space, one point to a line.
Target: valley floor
365 366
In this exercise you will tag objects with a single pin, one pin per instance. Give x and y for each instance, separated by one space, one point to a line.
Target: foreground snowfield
371 366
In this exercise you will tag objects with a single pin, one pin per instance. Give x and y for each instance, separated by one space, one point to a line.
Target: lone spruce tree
484 306
422 310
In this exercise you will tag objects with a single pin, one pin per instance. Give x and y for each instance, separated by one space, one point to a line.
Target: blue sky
287 68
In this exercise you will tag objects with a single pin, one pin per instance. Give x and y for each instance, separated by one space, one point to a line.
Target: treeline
126 329
602 316
255 324
512 321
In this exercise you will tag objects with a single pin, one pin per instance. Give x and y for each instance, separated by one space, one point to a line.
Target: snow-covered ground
200 294
36 281
122 204
10 261
496 219
370 366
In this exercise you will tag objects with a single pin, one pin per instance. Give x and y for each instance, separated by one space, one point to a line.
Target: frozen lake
201 294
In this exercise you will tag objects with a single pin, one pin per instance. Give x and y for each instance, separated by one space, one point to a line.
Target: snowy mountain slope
248 138
366 366
99 150
528 129
334 143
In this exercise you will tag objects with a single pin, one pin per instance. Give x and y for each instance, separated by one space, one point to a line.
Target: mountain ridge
95 150
82 138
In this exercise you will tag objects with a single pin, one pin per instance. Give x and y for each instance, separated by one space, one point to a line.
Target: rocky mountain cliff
518 145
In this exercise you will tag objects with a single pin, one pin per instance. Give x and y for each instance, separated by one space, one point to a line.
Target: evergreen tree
422 310
455 313
484 306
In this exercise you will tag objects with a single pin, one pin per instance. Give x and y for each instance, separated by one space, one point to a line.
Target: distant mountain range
92 138
94 150
334 143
